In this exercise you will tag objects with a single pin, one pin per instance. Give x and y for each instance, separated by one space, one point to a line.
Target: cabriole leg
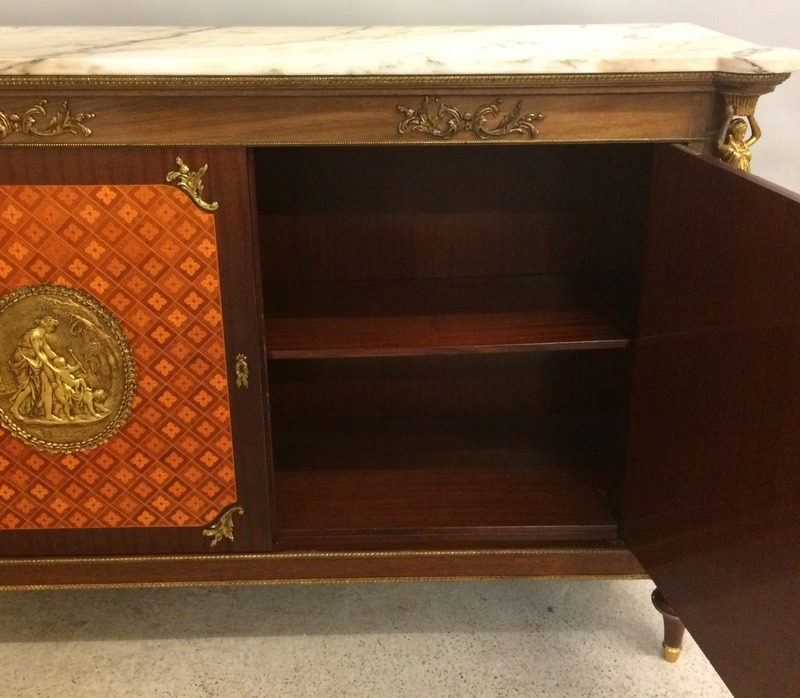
673 628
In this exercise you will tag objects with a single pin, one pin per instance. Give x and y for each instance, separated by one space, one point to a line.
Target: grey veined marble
382 50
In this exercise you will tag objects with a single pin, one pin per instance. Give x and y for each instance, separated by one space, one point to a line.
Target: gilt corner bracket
739 132
192 184
223 528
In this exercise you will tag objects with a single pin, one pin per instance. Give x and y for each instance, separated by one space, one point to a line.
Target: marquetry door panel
104 242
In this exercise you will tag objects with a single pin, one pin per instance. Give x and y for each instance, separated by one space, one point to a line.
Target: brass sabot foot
671 654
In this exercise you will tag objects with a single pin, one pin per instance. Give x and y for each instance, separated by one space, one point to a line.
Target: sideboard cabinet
489 303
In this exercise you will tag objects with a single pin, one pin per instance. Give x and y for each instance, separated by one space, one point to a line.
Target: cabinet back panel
336 213
518 389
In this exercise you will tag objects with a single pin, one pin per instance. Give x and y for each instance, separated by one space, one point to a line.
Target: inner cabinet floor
449 338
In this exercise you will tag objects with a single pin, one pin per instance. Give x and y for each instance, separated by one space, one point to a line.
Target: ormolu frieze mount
448 121
28 123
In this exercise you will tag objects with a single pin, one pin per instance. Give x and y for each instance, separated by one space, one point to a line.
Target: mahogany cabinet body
569 355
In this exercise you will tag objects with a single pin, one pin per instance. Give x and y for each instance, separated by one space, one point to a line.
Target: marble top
350 51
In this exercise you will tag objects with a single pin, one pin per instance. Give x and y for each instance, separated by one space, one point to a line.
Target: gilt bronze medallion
67 375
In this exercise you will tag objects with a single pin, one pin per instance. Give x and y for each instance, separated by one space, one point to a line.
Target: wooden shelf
446 316
386 486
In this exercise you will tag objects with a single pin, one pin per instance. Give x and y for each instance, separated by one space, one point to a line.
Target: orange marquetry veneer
149 256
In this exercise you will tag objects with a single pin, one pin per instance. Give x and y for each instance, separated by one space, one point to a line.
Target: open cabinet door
712 499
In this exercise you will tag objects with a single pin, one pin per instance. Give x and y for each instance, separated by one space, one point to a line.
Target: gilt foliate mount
191 182
223 528
34 122
445 122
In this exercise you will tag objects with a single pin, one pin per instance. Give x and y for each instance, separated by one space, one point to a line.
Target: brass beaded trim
320 581
336 555
344 81
265 557
355 142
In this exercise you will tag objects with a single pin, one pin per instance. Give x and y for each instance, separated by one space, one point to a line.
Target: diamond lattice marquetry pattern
149 256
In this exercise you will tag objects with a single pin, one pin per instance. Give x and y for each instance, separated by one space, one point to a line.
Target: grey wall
772 22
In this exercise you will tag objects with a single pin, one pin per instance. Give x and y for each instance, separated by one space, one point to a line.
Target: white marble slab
382 50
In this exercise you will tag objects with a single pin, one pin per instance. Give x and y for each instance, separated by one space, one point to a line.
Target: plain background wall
770 22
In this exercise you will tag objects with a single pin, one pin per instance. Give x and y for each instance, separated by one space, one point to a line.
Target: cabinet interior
449 337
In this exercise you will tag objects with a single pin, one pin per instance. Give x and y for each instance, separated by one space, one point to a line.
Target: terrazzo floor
580 639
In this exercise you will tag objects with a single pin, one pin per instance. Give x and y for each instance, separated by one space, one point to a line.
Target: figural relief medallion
67 375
